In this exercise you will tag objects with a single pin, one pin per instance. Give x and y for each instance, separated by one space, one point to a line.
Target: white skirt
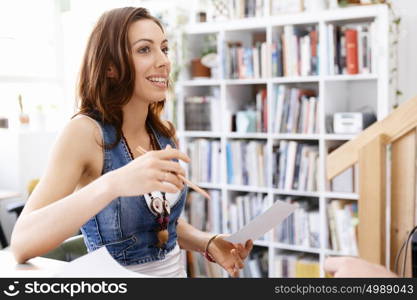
171 266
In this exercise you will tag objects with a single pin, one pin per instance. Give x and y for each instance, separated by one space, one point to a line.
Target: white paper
98 263
257 227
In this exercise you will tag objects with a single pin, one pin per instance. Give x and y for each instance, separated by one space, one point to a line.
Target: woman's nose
162 59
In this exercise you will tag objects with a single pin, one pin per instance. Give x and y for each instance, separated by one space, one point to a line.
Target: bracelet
207 255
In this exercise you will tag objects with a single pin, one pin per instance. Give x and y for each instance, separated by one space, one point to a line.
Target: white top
171 266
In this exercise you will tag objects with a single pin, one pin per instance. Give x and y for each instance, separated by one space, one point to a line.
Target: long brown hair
102 97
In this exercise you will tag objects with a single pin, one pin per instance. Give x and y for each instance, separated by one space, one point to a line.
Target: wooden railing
379 174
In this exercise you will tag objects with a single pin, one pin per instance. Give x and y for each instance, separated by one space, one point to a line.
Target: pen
191 184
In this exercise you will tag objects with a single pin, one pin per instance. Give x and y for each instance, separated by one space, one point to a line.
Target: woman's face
149 48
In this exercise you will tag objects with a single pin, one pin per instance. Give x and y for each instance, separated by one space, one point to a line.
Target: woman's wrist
109 185
207 253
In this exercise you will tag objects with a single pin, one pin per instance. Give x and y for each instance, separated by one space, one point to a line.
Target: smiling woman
128 63
128 203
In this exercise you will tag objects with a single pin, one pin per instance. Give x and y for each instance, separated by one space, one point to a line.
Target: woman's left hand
229 255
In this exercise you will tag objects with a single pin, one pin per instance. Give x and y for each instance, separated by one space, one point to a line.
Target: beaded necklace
160 208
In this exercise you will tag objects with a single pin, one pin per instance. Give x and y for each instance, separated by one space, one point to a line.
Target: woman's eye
144 50
165 50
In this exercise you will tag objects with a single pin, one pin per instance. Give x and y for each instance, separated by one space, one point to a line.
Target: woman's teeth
159 81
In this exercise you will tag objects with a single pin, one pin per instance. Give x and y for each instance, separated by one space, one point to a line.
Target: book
246 163
289 265
343 183
342 222
289 175
331 48
314 52
334 242
215 212
352 51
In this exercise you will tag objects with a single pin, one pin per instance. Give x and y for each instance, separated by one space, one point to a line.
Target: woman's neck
134 118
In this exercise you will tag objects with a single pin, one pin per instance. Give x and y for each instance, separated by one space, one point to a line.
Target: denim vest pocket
117 248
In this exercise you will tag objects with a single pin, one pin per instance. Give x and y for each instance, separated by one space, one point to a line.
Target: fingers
244 251
233 271
238 263
238 260
170 153
166 187
171 166
332 264
249 245
236 271
171 178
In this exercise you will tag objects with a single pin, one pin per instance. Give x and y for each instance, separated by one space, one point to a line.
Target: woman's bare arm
190 238
53 212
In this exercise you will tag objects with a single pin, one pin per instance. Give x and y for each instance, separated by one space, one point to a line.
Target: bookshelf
333 92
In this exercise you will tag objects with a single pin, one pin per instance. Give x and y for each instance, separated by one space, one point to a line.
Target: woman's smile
159 81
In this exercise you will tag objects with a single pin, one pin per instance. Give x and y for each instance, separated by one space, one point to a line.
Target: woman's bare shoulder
81 135
86 128
71 157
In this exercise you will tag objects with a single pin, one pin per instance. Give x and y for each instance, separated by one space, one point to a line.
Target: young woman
96 181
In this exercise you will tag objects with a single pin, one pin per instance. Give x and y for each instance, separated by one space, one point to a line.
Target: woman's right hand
152 171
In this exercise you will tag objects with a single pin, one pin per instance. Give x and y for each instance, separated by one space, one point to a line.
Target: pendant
162 209
162 236
157 206
167 208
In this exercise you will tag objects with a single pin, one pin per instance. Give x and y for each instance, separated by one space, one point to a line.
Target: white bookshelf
335 93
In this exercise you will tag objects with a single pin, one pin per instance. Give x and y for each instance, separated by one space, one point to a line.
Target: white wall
407 83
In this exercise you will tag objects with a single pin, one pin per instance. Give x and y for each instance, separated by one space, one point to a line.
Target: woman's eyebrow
148 40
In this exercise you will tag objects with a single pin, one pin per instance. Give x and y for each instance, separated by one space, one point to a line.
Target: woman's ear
111 72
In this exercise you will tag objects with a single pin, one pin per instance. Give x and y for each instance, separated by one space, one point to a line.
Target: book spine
352 51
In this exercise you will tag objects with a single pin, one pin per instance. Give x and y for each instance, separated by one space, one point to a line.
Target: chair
3 240
15 207
69 250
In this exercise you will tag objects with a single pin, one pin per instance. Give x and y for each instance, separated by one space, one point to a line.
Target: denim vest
127 225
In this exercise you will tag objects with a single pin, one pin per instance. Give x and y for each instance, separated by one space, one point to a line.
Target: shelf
350 77
199 134
277 80
296 193
202 28
8 194
329 15
29 79
295 136
337 195
200 82
245 81
254 23
335 253
337 93
250 135
261 243
339 137
295 248
243 188
295 79
30 131
208 185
